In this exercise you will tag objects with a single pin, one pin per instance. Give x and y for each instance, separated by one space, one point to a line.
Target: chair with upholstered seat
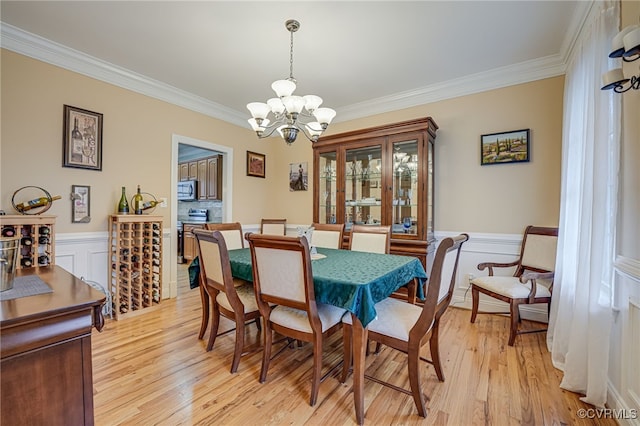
327 235
232 233
273 226
407 327
238 303
282 277
372 239
532 281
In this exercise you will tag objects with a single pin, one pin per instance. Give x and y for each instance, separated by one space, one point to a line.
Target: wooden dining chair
327 235
372 239
284 290
232 233
407 327
238 303
532 280
273 226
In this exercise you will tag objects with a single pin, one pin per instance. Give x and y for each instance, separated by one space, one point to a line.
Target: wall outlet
469 278
163 202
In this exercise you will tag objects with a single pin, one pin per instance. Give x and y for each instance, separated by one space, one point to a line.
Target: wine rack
135 250
37 238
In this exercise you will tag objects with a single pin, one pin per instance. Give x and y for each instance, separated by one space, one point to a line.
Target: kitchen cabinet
190 251
208 173
203 168
183 169
214 178
380 176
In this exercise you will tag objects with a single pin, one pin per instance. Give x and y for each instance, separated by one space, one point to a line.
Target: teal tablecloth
352 280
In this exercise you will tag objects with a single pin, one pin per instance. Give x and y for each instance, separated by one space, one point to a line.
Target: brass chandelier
287 113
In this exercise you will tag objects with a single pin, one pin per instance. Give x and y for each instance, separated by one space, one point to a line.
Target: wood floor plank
152 370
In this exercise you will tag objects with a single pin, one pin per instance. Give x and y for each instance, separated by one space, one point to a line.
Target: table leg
359 339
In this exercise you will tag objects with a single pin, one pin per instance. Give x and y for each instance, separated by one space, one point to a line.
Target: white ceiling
361 57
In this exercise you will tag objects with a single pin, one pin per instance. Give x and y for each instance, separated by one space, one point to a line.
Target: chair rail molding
628 267
86 255
483 247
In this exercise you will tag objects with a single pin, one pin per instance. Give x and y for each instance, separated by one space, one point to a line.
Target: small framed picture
298 176
80 204
505 147
256 164
82 139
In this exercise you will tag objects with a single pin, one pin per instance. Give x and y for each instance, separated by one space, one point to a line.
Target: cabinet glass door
405 203
363 186
327 187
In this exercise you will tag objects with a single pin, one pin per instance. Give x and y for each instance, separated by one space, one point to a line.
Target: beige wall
137 150
472 198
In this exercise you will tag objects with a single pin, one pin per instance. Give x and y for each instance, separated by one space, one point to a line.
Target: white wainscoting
624 394
480 248
86 255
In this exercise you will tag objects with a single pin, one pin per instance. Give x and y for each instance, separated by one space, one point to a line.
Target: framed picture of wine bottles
82 139
80 204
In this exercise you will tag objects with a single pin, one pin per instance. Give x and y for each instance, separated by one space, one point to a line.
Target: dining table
355 281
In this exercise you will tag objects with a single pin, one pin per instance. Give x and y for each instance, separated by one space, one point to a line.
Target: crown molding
523 72
42 49
34 46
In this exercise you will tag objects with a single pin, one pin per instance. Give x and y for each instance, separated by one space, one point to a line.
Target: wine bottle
43 240
44 230
8 231
26 241
149 204
26 262
123 205
36 202
43 259
137 202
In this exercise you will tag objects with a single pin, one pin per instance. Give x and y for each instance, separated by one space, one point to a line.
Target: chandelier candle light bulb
292 114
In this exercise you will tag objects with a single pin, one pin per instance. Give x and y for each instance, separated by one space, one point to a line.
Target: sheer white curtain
581 315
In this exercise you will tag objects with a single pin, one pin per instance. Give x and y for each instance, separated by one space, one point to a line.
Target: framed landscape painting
505 147
256 164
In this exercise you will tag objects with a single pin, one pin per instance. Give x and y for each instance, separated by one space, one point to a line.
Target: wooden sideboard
45 351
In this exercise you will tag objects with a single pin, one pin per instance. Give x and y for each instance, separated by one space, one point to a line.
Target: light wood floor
152 370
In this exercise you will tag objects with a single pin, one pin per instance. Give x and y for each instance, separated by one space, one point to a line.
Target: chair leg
317 369
414 381
346 348
266 352
475 296
204 297
215 323
435 350
515 319
237 352
258 324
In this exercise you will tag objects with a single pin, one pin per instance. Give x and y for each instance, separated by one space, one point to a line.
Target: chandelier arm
270 129
304 130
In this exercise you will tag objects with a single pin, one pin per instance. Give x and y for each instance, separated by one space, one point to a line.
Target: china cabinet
377 177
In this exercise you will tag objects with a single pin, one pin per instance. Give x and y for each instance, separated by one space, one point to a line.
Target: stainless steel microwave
188 190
